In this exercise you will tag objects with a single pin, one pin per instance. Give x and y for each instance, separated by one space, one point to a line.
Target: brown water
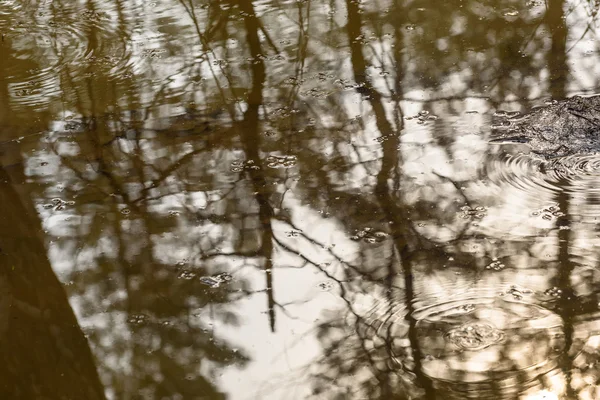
211 199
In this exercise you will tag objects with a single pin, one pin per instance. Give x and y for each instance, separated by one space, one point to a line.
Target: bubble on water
125 211
286 161
216 280
153 53
58 204
495 265
422 117
293 233
548 213
475 336
517 293
239 166
553 292
369 235
326 286
94 15
186 274
510 13
138 319
384 138
467 308
468 212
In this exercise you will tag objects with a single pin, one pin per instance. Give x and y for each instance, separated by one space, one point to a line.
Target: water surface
294 200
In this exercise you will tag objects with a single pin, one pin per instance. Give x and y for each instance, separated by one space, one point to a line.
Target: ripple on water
66 43
576 174
523 172
488 347
487 343
381 326
534 180
532 174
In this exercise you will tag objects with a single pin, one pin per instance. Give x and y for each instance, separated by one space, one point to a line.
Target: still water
277 199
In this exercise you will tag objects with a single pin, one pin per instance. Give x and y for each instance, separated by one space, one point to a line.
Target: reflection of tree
45 353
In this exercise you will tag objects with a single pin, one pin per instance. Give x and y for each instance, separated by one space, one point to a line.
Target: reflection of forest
187 158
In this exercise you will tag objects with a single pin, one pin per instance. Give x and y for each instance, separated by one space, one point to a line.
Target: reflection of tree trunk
568 304
44 352
557 56
389 164
558 70
251 140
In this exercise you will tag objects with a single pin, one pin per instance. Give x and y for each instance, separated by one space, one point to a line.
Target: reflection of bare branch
207 47
251 140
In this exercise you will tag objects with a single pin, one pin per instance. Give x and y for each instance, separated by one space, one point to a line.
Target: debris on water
216 280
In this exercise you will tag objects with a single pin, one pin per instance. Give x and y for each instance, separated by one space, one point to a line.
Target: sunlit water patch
493 342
